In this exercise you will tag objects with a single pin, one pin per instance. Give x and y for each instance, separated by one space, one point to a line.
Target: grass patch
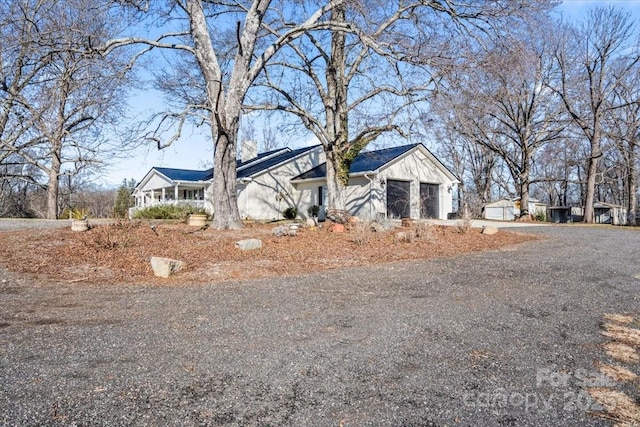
619 318
618 373
622 334
617 405
622 352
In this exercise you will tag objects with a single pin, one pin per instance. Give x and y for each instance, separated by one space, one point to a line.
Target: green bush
180 212
313 210
541 216
290 213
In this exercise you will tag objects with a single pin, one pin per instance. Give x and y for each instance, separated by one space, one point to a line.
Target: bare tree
594 60
505 105
57 96
471 162
333 81
623 129
229 58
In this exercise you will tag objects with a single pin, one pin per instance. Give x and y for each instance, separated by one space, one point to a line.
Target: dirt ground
544 333
119 253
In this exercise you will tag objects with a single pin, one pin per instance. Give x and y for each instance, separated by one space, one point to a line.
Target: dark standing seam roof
253 166
184 174
240 163
367 161
273 161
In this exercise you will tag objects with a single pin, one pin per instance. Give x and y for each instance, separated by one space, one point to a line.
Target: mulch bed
119 253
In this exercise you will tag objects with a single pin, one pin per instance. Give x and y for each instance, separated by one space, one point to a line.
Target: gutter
366 175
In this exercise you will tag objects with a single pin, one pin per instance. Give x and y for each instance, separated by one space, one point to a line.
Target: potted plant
313 211
197 218
290 213
79 221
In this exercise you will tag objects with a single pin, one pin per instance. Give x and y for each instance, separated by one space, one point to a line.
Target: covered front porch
183 194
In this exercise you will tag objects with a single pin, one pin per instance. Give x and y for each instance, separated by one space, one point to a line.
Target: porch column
175 193
153 197
164 195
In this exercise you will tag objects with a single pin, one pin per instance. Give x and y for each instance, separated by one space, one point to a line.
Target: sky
195 150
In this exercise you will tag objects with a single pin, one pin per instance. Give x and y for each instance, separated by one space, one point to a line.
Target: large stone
489 229
249 244
283 230
336 228
311 222
165 267
377 227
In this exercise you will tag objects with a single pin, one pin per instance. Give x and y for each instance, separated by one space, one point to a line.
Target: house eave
276 166
324 178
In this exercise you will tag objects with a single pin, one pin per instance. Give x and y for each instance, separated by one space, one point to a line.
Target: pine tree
124 199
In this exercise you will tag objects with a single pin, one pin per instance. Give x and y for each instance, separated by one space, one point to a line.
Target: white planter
79 225
197 220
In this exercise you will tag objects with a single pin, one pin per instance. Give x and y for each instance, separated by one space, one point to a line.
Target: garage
398 197
429 205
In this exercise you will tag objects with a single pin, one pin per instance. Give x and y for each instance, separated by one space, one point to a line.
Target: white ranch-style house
400 182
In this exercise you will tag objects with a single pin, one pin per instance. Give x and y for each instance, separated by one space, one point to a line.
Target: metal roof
184 174
260 163
364 162
273 161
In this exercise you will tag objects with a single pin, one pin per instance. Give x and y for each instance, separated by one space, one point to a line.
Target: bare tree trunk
633 186
524 199
524 177
225 200
592 171
53 187
225 118
337 123
335 189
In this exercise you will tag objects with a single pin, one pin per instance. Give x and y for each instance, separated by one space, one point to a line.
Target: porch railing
199 204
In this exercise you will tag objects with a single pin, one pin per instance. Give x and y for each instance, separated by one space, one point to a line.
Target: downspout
246 182
370 192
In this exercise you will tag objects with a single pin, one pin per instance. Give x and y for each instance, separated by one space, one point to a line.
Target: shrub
113 236
74 213
290 213
541 216
180 212
404 236
362 233
463 226
423 231
313 211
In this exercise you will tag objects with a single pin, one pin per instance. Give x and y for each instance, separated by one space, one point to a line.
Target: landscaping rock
488 229
310 222
407 222
336 228
279 231
403 237
377 227
249 244
283 230
165 267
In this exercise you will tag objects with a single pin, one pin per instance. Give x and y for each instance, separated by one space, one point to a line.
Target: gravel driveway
507 337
